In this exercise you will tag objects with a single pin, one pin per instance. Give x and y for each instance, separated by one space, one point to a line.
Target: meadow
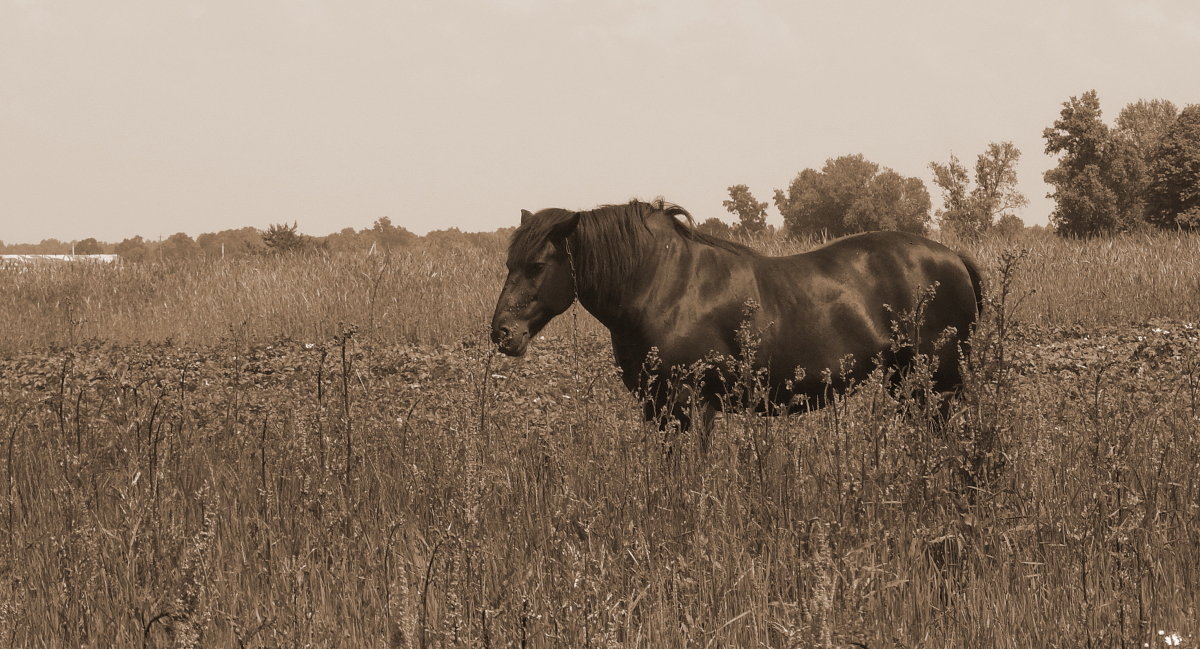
325 451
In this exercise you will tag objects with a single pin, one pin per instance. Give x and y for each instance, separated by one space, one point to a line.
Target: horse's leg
979 459
652 411
944 383
899 363
944 388
948 378
684 406
663 407
948 385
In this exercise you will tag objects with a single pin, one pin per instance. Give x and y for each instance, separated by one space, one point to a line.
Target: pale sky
153 117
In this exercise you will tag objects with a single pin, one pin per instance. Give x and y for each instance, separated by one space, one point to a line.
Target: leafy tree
347 240
453 237
386 235
283 238
450 235
996 180
88 246
178 246
49 247
1009 226
891 202
1144 123
752 215
1137 138
852 194
232 243
808 207
1086 179
716 227
970 211
816 202
1174 195
132 249
958 211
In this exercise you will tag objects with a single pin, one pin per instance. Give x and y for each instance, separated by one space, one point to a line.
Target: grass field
290 452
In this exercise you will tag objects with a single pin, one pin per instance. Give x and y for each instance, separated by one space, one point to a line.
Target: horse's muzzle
511 340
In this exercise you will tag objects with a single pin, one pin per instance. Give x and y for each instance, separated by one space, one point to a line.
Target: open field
325 452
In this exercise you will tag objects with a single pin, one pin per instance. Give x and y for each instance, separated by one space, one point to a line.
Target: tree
347 240
1137 138
283 238
453 237
958 211
996 180
178 246
1145 123
232 243
386 235
132 249
808 206
716 227
851 194
890 202
1009 226
88 246
1173 199
1084 180
752 215
50 247
970 211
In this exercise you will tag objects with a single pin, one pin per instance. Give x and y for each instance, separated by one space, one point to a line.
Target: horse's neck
611 305
621 304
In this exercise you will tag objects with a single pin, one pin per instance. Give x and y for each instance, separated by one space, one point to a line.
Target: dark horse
657 282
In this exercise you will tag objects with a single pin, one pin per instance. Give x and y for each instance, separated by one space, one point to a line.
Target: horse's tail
976 280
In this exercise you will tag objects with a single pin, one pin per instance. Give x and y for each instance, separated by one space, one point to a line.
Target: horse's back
891 264
901 270
846 298
894 265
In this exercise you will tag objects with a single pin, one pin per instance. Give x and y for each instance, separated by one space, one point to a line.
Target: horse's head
540 283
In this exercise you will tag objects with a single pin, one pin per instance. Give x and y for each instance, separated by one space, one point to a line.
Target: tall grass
1093 282
343 488
419 295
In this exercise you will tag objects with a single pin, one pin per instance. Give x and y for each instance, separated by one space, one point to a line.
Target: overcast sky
153 117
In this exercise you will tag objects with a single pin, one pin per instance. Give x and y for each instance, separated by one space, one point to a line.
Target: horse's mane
617 227
608 242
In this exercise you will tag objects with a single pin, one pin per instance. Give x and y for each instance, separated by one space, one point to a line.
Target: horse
675 299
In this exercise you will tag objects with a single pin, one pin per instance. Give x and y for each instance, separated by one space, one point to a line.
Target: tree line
1141 172
281 238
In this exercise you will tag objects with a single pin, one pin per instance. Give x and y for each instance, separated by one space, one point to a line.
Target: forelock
533 234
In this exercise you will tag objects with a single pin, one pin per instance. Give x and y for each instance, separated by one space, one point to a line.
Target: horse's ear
564 228
525 214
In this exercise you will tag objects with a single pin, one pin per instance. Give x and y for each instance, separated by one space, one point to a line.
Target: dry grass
413 295
398 485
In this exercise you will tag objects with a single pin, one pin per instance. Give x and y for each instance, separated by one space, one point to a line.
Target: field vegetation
323 450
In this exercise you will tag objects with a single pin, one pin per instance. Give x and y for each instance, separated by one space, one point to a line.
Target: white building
22 261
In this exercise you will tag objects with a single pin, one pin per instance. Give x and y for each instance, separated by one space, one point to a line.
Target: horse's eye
534 268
